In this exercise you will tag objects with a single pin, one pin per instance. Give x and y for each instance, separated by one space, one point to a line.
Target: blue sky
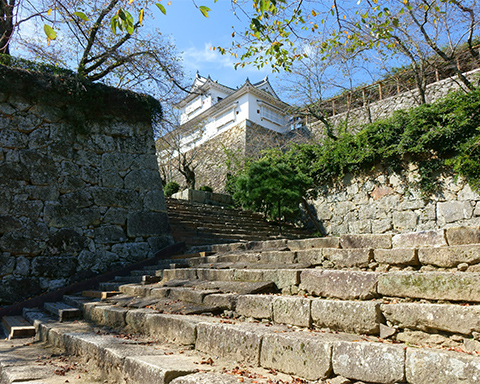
194 35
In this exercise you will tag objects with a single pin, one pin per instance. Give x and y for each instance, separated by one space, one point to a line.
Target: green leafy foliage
271 187
171 188
205 188
434 137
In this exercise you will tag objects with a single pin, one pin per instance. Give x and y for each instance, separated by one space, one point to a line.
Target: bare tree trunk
6 25
312 217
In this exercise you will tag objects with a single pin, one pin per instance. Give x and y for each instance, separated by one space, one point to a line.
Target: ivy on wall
435 137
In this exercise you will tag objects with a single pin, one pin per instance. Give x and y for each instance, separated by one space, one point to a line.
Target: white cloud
195 58
220 67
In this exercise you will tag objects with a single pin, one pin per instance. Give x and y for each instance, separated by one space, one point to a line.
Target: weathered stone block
281 277
62 217
347 316
117 161
216 274
30 208
463 286
115 216
240 342
320 242
397 256
366 241
155 201
137 318
147 224
438 317
282 257
463 235
381 226
22 266
54 266
66 240
40 192
452 211
370 362
349 257
120 198
292 311
222 248
174 328
189 295
266 245
420 239
449 257
135 289
112 179
222 300
7 264
310 256
13 139
16 244
107 315
109 234
157 369
439 367
114 316
143 180
9 223
13 175
210 378
256 306
345 285
405 220
303 355
131 252
180 274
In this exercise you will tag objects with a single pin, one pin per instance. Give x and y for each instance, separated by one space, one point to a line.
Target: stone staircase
201 224
355 309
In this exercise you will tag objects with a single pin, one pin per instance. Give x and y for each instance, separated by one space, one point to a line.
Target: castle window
272 115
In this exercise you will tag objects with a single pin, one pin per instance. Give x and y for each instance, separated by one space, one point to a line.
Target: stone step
455 258
147 359
138 278
348 284
77 300
220 226
17 326
29 361
63 311
100 294
192 218
233 235
361 317
195 290
109 286
312 355
128 279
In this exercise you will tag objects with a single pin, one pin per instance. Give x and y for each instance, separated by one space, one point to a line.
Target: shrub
272 188
205 188
171 188
434 137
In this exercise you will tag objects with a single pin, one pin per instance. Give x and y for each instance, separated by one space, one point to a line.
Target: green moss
80 100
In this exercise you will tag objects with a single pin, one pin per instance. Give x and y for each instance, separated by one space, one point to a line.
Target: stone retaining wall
210 159
74 198
388 203
384 108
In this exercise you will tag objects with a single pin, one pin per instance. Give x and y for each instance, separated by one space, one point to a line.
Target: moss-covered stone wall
80 191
